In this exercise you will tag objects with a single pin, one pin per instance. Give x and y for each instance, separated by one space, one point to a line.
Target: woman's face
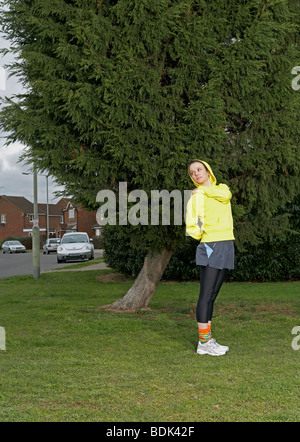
199 174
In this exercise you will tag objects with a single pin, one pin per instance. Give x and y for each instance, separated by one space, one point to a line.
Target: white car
51 245
13 247
75 246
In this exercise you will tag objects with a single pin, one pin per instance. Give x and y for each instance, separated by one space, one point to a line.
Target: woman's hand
194 190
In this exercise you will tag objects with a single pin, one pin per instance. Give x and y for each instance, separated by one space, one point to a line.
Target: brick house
16 218
76 219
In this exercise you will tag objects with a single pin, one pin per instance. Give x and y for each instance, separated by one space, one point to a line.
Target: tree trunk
140 294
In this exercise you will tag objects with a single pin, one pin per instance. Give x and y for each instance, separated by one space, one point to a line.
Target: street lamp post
47 207
35 230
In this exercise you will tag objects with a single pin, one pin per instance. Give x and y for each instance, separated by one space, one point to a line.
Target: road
21 263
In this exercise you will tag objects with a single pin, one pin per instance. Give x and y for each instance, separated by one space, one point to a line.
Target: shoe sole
210 354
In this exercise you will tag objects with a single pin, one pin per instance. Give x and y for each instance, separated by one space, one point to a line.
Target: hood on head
212 178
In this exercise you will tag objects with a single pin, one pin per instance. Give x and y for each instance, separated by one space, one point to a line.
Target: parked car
75 246
13 247
51 245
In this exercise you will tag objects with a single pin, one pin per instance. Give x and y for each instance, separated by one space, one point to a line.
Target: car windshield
54 241
74 239
15 243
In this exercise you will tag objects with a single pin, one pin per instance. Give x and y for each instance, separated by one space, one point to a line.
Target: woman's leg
218 285
211 280
209 283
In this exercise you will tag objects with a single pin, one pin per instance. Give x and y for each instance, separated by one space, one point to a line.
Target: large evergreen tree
131 90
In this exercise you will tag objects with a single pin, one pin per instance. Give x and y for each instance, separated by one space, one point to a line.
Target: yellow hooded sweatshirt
208 214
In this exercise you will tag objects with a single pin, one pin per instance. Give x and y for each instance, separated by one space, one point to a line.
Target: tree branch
264 10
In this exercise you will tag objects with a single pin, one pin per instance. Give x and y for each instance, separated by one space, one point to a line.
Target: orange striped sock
209 329
204 335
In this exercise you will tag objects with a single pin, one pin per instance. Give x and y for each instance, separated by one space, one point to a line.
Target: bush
118 252
97 242
267 262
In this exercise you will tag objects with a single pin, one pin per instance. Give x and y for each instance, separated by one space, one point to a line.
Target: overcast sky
12 180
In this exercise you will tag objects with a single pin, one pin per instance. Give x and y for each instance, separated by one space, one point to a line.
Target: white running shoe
221 347
210 348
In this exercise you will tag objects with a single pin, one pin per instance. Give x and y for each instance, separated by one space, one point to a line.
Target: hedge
267 262
25 240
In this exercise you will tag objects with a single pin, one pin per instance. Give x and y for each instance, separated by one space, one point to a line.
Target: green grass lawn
81 264
67 361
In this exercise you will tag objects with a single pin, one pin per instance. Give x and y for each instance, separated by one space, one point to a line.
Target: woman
209 219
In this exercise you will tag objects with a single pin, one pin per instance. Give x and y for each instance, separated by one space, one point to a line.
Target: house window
71 213
3 219
31 218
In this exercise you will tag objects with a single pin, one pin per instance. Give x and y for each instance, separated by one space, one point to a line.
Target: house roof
21 202
53 209
69 203
66 227
27 207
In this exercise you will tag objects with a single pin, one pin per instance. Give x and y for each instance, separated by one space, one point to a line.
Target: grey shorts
219 255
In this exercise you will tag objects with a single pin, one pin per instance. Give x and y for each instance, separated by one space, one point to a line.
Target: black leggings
211 280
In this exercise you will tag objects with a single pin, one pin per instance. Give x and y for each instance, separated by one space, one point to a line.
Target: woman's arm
220 193
194 215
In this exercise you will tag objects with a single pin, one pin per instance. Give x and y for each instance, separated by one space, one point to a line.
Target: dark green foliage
269 261
118 252
131 90
122 257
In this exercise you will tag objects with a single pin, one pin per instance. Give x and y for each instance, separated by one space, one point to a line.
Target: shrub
266 262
